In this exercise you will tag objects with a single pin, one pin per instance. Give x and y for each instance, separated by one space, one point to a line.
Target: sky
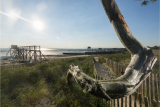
74 23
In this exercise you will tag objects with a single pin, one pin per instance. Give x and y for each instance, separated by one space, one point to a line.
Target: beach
5 62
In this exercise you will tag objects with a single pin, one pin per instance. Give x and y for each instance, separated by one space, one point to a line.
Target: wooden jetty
26 53
96 51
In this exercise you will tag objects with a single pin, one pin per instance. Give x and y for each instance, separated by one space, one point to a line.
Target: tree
140 67
145 2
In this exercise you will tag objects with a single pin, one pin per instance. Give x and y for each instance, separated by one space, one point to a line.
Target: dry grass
26 87
156 67
124 58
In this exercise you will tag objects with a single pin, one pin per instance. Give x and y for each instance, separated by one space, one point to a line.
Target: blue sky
74 23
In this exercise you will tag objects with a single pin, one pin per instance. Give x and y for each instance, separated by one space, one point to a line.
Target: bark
140 67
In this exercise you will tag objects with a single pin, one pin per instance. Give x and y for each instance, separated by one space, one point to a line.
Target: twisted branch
139 68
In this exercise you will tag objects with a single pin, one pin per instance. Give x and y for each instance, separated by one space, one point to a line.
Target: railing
146 95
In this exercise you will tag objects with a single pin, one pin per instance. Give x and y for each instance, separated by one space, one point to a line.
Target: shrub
101 59
34 76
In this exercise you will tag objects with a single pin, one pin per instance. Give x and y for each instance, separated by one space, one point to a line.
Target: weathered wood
149 89
110 104
156 87
130 101
114 103
154 103
121 102
97 77
135 100
101 78
146 102
139 89
126 102
139 68
140 100
118 103
153 88
135 104
144 88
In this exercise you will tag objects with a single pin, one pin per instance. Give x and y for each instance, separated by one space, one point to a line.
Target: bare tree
139 68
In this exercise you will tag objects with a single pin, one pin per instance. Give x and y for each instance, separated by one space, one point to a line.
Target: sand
5 62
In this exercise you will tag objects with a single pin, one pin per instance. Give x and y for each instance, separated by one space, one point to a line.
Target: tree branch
140 67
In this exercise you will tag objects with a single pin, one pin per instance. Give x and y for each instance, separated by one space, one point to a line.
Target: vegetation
155 47
101 59
145 2
124 58
32 85
118 57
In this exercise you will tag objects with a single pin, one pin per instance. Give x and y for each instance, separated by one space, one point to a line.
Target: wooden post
153 89
140 88
135 94
110 103
130 101
148 89
154 103
26 55
144 88
146 102
99 78
140 100
125 101
114 103
121 102
156 87
117 102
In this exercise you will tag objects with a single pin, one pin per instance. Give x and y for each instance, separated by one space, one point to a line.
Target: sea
50 51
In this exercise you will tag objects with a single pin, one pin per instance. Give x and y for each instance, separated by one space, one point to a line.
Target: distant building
89 47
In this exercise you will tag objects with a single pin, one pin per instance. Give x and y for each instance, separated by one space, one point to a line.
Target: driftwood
140 67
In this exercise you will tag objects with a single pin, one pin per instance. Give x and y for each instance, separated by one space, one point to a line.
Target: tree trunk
140 67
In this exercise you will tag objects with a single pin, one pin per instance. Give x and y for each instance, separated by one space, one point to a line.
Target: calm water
49 51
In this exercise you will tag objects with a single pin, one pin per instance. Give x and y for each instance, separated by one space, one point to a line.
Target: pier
31 54
95 51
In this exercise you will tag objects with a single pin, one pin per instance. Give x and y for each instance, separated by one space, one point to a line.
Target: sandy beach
5 62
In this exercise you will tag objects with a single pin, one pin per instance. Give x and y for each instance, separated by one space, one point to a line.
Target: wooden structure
142 97
95 51
26 53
